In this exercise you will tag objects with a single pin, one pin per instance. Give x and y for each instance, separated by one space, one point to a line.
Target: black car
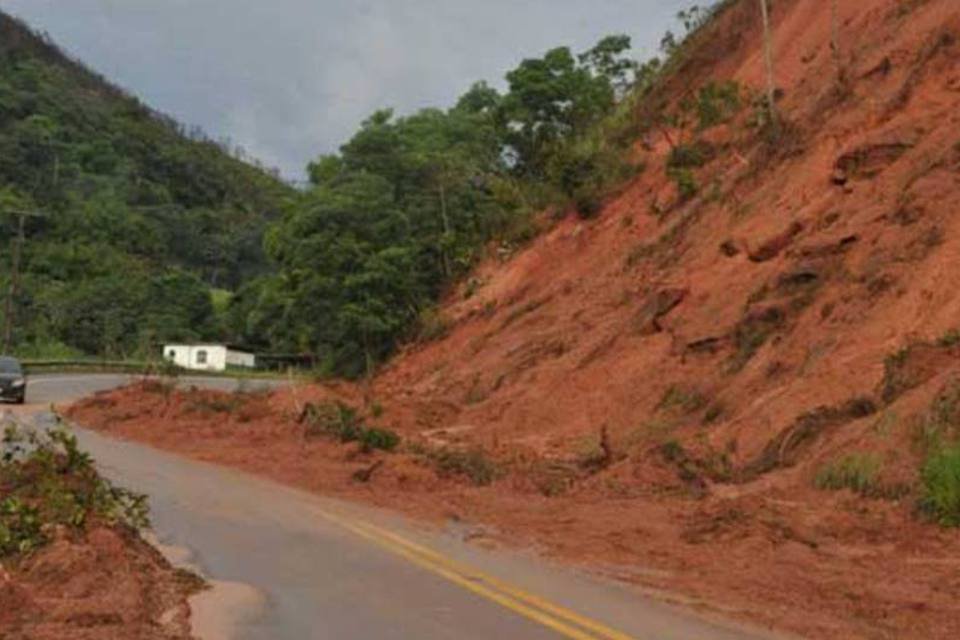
13 382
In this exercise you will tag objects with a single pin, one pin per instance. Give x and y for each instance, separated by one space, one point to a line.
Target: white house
208 357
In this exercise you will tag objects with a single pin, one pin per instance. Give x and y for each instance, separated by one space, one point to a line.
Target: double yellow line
568 624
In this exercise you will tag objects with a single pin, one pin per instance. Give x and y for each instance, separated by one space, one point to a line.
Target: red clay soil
105 584
729 346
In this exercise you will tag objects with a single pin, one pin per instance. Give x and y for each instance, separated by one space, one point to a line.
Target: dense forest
410 203
134 231
146 234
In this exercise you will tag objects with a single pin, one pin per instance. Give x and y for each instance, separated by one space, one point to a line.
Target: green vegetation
940 426
937 437
432 325
687 156
473 464
903 370
686 182
409 203
681 399
132 222
46 481
711 105
339 421
857 472
949 339
716 103
941 485
787 447
590 452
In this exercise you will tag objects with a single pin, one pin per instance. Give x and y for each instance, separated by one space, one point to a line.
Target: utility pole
768 61
835 41
15 276
835 32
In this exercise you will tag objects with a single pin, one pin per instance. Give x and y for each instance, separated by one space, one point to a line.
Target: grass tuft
857 472
941 485
339 421
473 463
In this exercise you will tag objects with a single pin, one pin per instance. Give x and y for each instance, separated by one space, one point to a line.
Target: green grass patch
941 485
949 339
682 399
690 156
474 464
342 422
857 472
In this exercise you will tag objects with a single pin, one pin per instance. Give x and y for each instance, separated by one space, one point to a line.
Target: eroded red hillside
661 386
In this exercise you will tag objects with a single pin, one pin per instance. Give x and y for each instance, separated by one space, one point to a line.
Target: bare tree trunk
768 61
835 39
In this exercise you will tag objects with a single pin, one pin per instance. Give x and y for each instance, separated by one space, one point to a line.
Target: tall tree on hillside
550 99
768 61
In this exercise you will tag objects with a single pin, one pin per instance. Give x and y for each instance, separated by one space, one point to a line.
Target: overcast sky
290 79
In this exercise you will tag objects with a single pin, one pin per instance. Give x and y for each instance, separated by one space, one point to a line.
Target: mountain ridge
137 211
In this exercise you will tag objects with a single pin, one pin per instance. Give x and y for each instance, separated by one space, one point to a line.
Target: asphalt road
331 570
55 388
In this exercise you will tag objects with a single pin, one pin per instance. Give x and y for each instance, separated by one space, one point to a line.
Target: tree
325 169
552 98
408 204
607 60
127 200
480 98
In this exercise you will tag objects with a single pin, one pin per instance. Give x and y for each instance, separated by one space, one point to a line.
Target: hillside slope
597 321
139 220
673 390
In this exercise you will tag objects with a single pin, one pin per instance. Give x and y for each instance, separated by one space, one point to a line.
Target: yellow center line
515 592
526 604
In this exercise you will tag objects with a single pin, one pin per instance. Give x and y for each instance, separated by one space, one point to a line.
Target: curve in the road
333 570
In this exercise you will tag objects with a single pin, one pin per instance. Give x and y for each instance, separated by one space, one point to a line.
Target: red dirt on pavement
724 349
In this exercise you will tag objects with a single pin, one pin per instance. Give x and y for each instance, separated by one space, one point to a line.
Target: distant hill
141 221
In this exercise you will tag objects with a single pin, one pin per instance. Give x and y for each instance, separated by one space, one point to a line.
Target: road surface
332 570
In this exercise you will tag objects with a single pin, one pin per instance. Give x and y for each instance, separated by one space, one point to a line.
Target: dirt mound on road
774 550
105 584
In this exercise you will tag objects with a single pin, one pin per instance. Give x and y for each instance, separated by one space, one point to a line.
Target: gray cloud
289 79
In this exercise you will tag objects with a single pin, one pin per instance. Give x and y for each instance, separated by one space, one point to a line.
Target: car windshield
9 365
